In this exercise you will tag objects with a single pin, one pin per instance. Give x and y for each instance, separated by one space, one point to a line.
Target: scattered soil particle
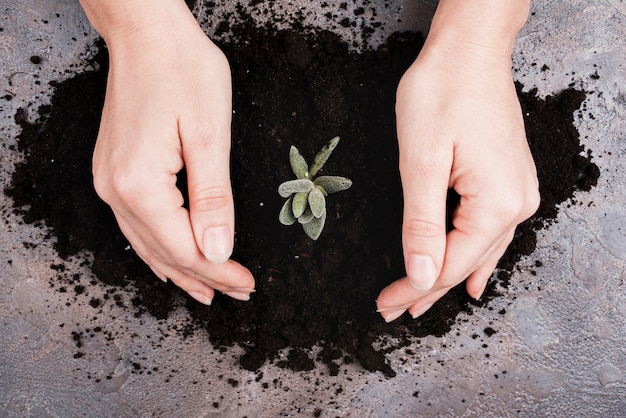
489 331
290 87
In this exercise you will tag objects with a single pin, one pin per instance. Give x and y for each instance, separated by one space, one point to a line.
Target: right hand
168 105
460 126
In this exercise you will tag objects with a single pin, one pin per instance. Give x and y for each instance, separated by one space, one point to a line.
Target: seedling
306 194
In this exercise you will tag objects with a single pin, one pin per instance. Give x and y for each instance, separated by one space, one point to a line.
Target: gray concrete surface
559 350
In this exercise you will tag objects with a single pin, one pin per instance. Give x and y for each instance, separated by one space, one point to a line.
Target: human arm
168 105
460 126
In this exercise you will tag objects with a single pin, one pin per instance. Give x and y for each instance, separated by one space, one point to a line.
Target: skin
168 105
460 126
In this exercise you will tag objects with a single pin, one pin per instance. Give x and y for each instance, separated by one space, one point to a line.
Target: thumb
210 195
425 178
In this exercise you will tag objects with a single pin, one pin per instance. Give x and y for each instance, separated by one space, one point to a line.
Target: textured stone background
559 350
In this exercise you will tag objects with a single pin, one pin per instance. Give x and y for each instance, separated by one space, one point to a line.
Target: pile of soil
290 87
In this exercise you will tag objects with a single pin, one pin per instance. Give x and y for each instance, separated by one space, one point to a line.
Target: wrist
120 21
485 29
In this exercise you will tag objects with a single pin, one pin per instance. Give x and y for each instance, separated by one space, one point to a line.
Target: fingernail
205 300
161 276
239 296
246 290
421 271
480 294
394 315
421 310
391 308
217 244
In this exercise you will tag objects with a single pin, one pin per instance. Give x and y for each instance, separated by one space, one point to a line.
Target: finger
416 303
180 259
205 135
481 226
157 273
211 207
425 172
196 289
477 281
400 296
424 304
199 290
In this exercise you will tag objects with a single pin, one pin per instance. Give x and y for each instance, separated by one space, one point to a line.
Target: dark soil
289 88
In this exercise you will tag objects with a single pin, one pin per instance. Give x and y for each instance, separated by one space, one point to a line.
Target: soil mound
289 88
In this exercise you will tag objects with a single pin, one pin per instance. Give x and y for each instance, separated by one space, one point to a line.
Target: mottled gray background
559 349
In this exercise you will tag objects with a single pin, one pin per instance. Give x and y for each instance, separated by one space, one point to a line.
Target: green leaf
300 202
333 184
314 228
290 187
322 156
317 202
298 163
286 213
306 217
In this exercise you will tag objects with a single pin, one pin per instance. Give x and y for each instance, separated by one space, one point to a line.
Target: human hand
459 126
168 105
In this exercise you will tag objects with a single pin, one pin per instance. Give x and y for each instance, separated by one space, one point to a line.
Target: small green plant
306 194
